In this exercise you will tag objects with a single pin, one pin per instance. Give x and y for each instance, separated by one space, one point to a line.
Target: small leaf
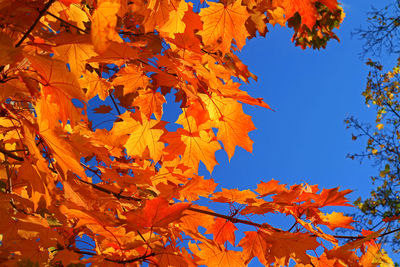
102 109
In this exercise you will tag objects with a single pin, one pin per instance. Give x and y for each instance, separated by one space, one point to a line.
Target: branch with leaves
132 186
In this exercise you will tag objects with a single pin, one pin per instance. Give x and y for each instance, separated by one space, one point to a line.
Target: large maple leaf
156 213
306 9
104 22
232 123
222 24
200 146
214 256
144 134
132 77
223 231
74 51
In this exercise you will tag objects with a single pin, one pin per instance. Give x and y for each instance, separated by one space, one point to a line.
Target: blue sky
305 140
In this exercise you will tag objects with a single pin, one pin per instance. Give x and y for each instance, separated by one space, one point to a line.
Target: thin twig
66 22
107 191
10 154
116 261
115 103
233 219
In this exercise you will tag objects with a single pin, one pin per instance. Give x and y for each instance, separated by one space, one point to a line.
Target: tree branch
232 219
229 218
11 155
107 191
211 213
115 103
41 13
66 22
112 260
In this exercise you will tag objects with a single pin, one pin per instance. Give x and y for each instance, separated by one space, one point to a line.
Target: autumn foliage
129 183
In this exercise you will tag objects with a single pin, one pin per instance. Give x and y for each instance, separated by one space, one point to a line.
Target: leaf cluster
132 186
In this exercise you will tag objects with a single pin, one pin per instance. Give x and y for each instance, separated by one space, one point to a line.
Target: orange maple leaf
214 256
306 9
144 134
157 213
232 123
223 231
104 21
222 24
132 78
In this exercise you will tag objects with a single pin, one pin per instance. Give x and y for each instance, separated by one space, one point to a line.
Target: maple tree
133 188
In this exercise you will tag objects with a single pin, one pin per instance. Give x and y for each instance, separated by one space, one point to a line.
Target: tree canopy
130 183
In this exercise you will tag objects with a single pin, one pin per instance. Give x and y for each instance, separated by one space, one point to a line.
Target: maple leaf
157 13
104 22
143 133
200 146
175 23
157 213
102 109
223 231
232 90
191 220
116 53
276 16
170 257
306 9
258 23
8 52
285 246
234 195
75 51
197 187
270 187
233 125
222 23
65 155
150 102
213 256
332 197
36 183
132 77
55 76
254 246
95 85
375 256
346 252
336 219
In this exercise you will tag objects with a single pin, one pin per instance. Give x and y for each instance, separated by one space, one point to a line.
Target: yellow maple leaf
104 21
175 24
233 125
143 133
